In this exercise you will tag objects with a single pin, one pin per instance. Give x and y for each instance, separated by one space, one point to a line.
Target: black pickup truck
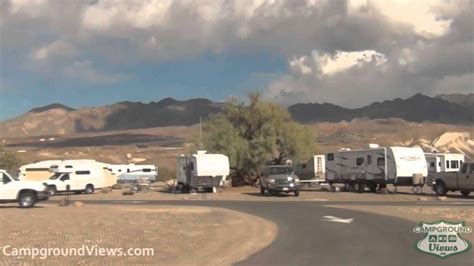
463 180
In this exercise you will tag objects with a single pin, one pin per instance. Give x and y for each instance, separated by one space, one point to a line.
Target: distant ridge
46 120
51 106
417 108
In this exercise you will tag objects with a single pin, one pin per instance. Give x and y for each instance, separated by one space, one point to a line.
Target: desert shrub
8 160
254 134
165 174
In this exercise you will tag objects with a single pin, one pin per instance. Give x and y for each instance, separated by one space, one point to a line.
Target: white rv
37 171
132 172
79 176
444 162
401 166
201 170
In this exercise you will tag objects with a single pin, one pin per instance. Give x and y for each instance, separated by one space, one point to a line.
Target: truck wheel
297 193
27 200
465 193
89 189
440 189
262 190
52 190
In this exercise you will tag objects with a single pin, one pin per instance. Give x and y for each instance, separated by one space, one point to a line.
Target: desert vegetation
254 134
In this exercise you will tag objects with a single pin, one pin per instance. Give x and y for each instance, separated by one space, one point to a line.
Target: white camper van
201 170
37 171
400 166
132 172
79 176
444 162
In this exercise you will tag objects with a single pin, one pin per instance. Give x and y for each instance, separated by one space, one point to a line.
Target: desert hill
418 108
58 119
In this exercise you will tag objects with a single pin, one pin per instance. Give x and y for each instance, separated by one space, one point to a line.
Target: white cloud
421 15
381 48
57 49
85 70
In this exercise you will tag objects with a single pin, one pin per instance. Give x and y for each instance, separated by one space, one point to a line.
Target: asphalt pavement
306 238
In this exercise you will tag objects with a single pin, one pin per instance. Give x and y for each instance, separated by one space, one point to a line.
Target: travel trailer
444 162
201 171
131 172
400 166
79 176
314 169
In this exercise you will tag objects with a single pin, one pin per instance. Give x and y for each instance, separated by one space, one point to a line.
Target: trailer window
360 161
191 166
330 156
447 164
83 172
146 170
432 164
464 168
454 164
68 166
381 161
369 159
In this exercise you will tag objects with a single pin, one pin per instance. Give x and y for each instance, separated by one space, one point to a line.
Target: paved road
304 239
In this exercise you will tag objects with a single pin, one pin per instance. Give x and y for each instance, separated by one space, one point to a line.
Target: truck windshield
279 170
55 176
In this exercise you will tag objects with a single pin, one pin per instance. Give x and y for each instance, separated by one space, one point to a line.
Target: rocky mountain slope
58 119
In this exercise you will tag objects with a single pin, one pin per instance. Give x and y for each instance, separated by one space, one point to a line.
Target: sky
351 53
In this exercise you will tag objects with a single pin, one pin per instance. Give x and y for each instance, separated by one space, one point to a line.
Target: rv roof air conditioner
373 146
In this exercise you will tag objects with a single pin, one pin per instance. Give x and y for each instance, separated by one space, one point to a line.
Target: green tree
254 134
8 160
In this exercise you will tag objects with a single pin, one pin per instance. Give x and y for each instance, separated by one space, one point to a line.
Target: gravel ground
178 236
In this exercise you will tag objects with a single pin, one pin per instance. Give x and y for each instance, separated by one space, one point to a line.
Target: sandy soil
178 236
421 213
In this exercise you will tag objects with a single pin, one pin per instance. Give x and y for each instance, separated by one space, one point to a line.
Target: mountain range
59 119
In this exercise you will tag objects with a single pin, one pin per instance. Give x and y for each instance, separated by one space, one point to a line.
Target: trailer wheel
359 187
465 193
440 189
373 187
89 189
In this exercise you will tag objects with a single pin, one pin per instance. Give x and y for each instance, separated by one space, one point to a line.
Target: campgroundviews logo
442 238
